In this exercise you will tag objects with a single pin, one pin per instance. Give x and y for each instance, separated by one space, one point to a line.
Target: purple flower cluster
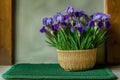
100 16
101 19
72 20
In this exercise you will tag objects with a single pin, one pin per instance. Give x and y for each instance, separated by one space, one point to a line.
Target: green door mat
54 71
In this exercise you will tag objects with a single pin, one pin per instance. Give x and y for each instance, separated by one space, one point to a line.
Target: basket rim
76 50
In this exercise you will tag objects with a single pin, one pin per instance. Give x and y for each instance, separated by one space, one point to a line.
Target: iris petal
81 29
56 26
100 24
72 29
91 23
79 13
42 30
108 25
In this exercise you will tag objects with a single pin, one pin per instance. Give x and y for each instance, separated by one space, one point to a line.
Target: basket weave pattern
73 60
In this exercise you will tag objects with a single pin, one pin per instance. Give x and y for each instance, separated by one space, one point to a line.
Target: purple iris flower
59 17
81 29
97 16
72 29
66 17
100 24
105 17
44 21
69 10
100 16
91 23
56 26
68 21
74 19
47 21
108 25
64 24
76 26
42 30
53 29
79 13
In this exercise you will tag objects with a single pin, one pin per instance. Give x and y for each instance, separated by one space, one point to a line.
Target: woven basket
74 60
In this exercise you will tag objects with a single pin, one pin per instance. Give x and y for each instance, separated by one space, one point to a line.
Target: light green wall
30 44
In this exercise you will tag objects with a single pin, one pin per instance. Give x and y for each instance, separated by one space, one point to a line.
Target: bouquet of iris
76 30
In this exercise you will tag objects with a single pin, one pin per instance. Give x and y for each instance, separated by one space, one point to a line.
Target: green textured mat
54 71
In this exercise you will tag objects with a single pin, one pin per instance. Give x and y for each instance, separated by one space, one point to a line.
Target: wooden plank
113 42
5 32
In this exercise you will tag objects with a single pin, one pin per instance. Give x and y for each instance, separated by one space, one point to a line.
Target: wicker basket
74 60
